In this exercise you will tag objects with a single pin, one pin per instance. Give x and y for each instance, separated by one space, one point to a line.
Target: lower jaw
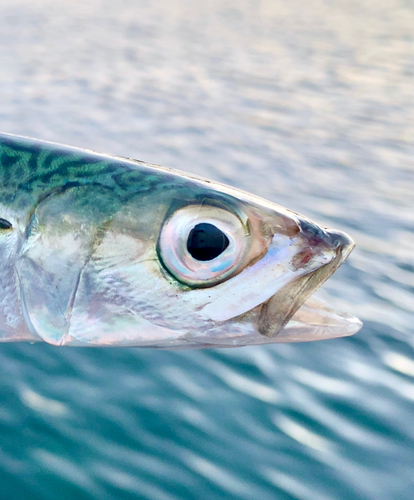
280 308
316 320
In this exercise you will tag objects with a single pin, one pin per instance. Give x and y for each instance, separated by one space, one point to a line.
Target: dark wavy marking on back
30 170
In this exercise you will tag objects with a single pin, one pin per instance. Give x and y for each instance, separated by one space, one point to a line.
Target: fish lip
276 312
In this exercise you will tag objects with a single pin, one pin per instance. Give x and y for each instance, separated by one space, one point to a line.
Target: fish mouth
277 311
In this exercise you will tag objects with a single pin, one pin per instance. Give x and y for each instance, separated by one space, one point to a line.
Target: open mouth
290 316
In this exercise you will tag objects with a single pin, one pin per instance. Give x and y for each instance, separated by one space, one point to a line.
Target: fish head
241 268
176 261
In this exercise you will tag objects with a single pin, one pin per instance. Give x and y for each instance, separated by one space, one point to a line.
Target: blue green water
307 104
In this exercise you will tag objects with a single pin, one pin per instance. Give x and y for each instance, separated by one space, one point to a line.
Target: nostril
311 230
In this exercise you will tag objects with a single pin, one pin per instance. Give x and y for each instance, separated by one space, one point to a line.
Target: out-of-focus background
308 104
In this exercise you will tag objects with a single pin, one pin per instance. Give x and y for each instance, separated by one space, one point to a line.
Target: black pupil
206 242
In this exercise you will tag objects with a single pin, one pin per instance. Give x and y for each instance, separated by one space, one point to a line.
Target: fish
99 250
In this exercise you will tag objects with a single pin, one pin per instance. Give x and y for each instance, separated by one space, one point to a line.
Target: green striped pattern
31 170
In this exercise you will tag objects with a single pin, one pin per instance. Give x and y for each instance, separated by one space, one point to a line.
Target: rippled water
308 104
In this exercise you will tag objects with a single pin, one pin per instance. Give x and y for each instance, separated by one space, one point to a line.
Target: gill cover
60 237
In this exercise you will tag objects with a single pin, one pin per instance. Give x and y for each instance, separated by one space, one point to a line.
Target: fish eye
202 245
5 224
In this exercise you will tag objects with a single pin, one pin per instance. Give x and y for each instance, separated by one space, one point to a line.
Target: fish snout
329 248
341 242
337 241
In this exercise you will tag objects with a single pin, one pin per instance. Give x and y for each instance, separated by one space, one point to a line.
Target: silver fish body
100 250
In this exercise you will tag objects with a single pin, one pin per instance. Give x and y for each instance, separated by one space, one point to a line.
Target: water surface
307 104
